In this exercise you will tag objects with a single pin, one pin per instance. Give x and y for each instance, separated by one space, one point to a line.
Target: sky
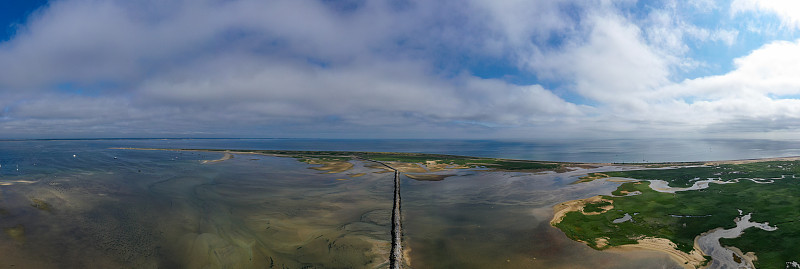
465 69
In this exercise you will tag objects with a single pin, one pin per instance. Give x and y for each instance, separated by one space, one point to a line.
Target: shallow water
722 256
501 220
248 212
106 208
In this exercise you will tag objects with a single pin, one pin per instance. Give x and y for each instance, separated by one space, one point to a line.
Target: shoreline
279 153
694 259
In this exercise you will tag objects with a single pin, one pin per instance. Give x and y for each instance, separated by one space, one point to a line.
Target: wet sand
271 212
164 209
225 157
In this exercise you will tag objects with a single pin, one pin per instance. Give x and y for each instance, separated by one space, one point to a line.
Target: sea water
602 151
82 204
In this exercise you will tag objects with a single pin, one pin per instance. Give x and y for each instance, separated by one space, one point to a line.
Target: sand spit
225 157
694 259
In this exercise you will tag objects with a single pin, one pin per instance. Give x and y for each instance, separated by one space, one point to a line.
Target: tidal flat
97 207
169 210
486 219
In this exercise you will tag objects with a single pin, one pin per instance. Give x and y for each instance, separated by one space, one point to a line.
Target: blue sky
14 13
400 69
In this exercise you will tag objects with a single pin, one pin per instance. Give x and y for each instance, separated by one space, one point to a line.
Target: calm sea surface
606 151
80 204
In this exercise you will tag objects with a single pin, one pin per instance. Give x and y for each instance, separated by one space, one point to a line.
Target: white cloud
302 66
266 63
787 10
703 6
760 93
728 36
380 89
769 70
611 42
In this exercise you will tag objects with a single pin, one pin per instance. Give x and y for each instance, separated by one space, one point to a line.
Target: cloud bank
439 69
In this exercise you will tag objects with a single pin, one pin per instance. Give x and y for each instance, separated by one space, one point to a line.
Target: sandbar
225 157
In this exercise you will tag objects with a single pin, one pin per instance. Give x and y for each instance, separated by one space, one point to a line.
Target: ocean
602 151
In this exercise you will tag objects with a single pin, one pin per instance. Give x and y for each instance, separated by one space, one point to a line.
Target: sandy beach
691 260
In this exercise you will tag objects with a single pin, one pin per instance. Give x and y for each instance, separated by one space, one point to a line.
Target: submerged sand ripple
186 215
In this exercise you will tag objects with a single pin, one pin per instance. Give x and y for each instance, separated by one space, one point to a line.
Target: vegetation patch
597 207
682 216
685 177
455 160
590 177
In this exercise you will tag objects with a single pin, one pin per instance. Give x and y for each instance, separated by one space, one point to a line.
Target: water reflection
249 212
501 220
159 209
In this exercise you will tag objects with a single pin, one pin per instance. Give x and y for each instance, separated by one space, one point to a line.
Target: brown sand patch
748 257
560 210
693 259
601 242
17 233
621 180
41 205
408 167
427 177
225 157
434 166
331 167
590 178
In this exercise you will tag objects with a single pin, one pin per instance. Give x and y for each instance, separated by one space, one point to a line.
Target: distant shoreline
285 153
